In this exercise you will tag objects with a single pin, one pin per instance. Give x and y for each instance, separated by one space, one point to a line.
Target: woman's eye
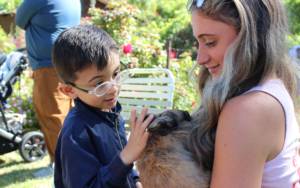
210 44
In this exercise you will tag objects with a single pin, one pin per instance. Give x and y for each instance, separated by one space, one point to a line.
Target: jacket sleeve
135 176
81 169
27 10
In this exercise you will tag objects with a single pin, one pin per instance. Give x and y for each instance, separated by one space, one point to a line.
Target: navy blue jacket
43 21
88 148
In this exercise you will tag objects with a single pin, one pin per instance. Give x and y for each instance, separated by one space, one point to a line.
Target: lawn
15 173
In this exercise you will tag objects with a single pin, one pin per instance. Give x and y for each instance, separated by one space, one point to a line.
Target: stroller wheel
33 147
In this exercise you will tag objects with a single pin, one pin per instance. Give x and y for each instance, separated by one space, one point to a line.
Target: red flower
172 54
127 48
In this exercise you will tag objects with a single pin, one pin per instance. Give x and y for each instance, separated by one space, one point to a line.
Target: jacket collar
107 116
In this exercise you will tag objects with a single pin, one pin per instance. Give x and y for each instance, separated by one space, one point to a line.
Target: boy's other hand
138 137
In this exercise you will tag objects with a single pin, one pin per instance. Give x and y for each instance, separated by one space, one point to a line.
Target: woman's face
214 38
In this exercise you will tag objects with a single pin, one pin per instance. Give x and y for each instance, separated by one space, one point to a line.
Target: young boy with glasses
92 150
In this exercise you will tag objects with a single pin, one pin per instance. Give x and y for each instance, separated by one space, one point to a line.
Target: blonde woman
249 135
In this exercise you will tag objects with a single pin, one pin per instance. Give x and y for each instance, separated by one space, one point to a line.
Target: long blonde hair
258 51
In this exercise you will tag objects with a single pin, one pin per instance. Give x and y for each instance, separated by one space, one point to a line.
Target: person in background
43 21
249 136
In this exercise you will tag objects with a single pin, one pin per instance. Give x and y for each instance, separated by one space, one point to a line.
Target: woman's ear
67 90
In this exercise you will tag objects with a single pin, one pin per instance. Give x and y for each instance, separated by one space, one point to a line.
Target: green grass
15 173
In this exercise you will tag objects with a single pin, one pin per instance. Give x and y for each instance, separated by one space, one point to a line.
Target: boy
92 149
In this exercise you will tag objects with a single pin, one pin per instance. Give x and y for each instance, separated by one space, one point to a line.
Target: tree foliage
147 25
293 9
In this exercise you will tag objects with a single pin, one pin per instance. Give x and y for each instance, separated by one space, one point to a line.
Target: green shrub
121 20
6 42
147 25
293 40
185 96
293 7
8 6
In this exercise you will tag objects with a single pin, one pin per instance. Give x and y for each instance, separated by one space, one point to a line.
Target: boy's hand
138 137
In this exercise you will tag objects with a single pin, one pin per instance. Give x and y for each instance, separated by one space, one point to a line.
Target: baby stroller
30 144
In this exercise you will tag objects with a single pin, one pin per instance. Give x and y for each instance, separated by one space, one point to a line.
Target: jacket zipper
122 147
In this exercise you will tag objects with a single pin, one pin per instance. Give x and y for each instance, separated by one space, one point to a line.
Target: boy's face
90 77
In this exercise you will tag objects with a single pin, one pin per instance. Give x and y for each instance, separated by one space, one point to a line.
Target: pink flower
172 54
127 48
88 18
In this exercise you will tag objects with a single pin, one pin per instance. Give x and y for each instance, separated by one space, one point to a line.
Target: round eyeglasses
102 89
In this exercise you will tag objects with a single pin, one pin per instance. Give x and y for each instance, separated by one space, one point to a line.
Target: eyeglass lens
104 87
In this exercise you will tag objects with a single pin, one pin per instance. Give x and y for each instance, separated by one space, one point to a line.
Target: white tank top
284 170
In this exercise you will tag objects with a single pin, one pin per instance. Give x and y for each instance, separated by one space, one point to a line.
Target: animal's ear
163 126
187 116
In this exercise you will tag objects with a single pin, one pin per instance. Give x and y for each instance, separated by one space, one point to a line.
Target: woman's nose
202 58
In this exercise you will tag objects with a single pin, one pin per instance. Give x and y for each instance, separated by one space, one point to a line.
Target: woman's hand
138 136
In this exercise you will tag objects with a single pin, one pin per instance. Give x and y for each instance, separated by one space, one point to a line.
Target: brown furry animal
167 161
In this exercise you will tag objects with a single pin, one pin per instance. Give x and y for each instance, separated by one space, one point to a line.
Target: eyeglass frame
116 81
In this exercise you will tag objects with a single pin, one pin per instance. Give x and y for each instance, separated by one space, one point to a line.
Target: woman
249 134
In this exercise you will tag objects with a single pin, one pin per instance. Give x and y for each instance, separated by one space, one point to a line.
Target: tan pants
51 106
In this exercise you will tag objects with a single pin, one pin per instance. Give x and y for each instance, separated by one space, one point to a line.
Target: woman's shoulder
255 118
255 106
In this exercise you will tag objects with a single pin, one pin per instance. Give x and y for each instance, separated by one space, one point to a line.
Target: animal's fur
167 161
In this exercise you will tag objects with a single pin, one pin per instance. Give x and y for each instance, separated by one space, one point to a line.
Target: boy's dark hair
80 47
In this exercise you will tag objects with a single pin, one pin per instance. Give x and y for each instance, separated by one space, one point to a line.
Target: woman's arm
251 130
27 10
